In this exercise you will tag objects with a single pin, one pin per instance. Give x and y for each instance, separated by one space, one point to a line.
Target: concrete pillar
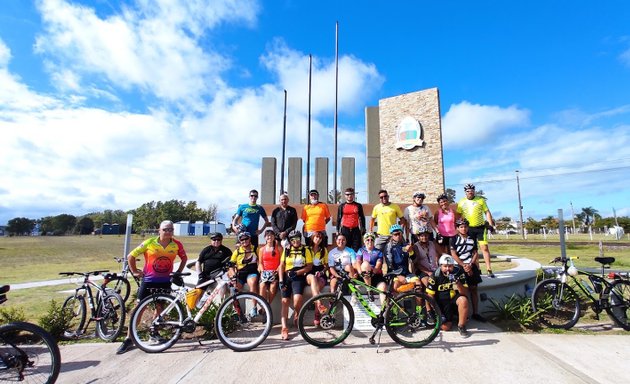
268 181
321 177
347 173
294 184
373 152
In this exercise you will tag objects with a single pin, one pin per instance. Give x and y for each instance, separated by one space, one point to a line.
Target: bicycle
27 352
404 316
107 308
559 304
158 321
121 285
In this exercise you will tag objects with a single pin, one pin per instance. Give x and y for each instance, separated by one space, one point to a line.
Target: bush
56 320
11 314
516 308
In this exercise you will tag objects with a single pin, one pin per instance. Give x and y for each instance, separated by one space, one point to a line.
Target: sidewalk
488 356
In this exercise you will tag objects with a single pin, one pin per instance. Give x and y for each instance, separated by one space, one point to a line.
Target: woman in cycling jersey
245 268
340 258
444 220
370 262
316 278
268 263
296 262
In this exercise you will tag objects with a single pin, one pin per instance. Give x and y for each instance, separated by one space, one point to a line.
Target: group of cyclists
410 242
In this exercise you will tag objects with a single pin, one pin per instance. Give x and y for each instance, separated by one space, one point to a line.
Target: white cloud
466 125
625 57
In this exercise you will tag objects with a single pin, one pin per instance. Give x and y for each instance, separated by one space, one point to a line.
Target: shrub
516 308
11 314
56 320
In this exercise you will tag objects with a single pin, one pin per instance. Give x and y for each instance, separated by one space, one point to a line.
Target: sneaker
463 332
156 340
253 312
479 318
431 318
284 334
322 309
125 346
490 274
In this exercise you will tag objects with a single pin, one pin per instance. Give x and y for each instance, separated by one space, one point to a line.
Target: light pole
520 206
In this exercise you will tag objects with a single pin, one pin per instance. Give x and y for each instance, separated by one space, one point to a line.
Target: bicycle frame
598 286
354 284
87 286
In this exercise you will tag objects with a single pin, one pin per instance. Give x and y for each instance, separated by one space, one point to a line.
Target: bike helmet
424 230
295 234
442 197
395 228
369 235
419 194
446 260
244 235
461 221
469 186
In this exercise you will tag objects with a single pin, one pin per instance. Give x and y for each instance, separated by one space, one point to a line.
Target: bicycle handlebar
86 274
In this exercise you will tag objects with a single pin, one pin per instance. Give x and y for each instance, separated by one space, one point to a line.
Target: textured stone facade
404 171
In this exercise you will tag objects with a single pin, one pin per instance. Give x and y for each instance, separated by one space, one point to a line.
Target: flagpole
336 106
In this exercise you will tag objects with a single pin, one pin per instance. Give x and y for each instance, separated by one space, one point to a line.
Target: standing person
159 254
418 217
444 220
245 268
212 257
448 287
268 263
351 220
475 210
316 278
295 264
385 214
464 251
249 215
284 219
315 216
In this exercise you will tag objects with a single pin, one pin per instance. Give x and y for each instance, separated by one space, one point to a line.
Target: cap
216 236
446 260
313 192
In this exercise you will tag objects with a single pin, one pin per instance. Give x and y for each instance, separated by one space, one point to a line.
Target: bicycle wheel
28 354
619 301
336 319
111 317
74 307
557 303
406 320
121 286
156 323
236 325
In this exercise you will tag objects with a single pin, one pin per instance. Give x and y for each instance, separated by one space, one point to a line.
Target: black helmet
443 196
469 186
244 235
461 221
295 234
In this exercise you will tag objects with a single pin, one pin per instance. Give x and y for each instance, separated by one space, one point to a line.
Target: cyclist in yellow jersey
295 263
384 215
475 210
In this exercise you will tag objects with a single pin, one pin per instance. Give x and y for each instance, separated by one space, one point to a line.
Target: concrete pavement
488 356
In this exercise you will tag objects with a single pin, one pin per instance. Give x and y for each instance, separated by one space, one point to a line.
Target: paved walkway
488 356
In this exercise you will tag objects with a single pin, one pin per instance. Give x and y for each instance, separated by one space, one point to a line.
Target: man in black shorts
464 251
442 287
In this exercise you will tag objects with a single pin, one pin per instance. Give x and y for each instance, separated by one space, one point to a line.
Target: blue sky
109 104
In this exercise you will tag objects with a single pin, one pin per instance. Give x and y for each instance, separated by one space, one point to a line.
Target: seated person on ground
442 287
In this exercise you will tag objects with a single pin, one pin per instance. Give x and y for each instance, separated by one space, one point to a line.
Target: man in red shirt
351 220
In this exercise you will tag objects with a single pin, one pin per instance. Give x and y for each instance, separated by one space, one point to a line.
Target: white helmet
446 260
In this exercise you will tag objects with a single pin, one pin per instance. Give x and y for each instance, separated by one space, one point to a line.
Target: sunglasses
383 197
253 195
366 240
396 234
167 229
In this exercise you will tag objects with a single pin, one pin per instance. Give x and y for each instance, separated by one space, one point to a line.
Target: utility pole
572 216
520 206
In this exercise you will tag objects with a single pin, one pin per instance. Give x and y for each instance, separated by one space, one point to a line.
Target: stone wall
404 171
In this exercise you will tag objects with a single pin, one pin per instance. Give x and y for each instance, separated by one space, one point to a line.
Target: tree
63 223
452 195
504 224
589 214
85 226
20 226
334 197
211 212
532 225
549 222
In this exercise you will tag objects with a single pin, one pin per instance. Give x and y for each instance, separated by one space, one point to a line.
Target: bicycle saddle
605 260
4 289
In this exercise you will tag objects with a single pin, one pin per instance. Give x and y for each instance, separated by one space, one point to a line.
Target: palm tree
589 214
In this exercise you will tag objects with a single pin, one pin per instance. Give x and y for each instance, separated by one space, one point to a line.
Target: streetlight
520 206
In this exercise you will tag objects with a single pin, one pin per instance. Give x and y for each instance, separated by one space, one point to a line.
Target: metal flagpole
308 143
336 103
520 205
284 143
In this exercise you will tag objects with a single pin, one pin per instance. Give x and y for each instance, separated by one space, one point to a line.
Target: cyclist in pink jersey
444 219
268 263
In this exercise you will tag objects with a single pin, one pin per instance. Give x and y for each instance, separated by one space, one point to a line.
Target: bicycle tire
236 329
121 286
74 306
619 301
28 350
335 322
557 303
406 320
111 315
156 336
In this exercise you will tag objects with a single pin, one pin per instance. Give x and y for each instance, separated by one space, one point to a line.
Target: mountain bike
107 308
159 320
404 316
559 304
28 353
119 283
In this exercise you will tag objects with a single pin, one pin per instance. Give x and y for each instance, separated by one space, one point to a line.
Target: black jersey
464 247
443 286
